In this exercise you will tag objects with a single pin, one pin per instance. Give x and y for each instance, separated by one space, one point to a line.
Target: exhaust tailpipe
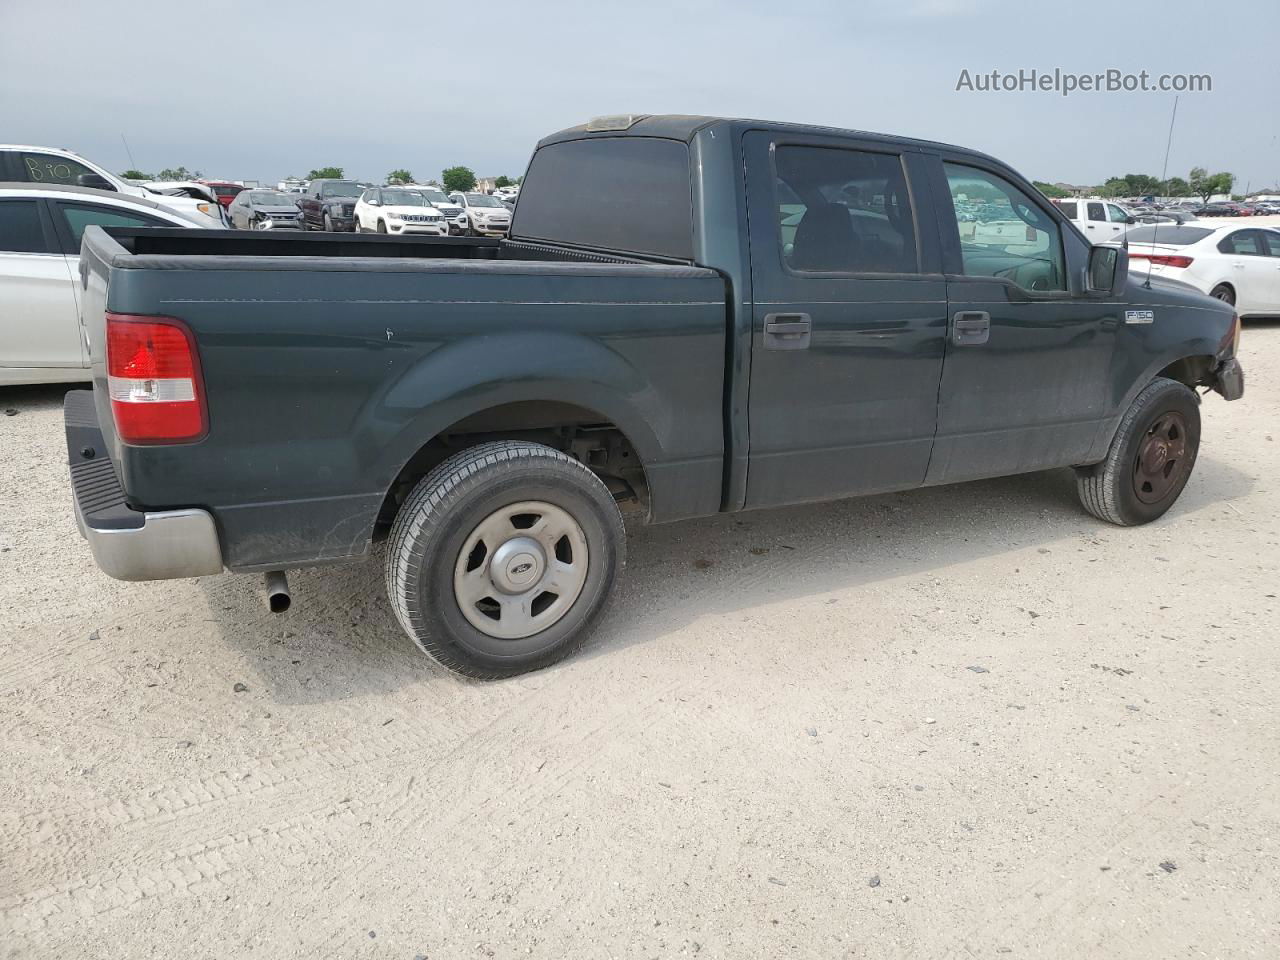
278 599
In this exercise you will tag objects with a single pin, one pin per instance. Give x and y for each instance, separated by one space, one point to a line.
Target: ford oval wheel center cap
517 565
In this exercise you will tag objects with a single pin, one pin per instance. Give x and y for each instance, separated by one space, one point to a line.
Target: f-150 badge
1139 316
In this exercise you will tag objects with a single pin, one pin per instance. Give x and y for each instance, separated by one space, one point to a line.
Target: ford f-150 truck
690 315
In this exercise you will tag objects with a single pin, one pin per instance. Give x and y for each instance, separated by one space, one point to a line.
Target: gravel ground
958 722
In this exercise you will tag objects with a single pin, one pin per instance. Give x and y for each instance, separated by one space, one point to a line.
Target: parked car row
339 206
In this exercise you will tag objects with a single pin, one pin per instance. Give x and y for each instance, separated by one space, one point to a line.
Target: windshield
341 190
437 196
269 198
403 198
227 190
482 200
1171 235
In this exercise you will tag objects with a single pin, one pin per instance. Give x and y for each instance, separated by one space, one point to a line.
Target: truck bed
329 361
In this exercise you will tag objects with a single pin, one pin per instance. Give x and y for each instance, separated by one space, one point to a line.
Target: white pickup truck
1099 220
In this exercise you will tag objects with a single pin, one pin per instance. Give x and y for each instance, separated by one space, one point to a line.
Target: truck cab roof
678 126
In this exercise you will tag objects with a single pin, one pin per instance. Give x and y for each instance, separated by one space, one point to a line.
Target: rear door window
614 193
843 211
1096 212
20 228
72 218
1247 243
1070 209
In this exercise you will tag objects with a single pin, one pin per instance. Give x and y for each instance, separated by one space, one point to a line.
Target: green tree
135 175
503 181
1141 184
1114 187
326 173
399 176
1177 187
1049 190
178 173
1205 184
458 179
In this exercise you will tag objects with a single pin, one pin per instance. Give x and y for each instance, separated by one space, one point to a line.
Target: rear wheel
503 557
1150 460
1224 293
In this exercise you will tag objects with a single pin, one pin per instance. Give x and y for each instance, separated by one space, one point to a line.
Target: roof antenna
128 151
1155 227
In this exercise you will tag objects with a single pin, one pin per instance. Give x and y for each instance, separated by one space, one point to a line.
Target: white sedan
398 211
1233 262
40 230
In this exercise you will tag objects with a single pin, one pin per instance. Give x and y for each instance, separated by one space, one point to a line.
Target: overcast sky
261 90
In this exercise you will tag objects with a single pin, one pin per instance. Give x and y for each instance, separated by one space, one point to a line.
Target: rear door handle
787 331
970 328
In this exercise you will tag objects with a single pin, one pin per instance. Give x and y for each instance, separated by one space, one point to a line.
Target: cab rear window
614 193
1167 234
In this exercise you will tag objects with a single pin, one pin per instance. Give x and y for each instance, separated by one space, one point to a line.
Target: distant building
1074 191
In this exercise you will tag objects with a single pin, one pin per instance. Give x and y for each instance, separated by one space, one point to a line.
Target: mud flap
1228 379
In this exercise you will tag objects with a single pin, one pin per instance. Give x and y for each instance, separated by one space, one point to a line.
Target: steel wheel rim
1162 458
520 570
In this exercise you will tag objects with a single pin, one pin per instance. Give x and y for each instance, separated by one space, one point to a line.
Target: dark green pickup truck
690 315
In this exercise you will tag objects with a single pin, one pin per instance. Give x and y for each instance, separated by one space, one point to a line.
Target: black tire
1224 293
382 226
328 224
448 505
302 223
1119 489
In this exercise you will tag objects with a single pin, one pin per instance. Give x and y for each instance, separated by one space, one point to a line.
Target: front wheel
328 224
1150 460
503 557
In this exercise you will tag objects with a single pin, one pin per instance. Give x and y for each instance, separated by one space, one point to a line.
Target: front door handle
970 328
787 331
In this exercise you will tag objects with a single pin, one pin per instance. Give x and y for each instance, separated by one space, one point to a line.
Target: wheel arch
586 433
567 390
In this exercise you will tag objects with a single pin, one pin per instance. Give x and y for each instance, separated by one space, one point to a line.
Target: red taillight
153 379
1162 259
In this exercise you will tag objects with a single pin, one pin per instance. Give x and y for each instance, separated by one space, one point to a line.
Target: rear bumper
130 544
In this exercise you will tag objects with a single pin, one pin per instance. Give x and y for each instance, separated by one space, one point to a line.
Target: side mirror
1108 270
1130 219
94 180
